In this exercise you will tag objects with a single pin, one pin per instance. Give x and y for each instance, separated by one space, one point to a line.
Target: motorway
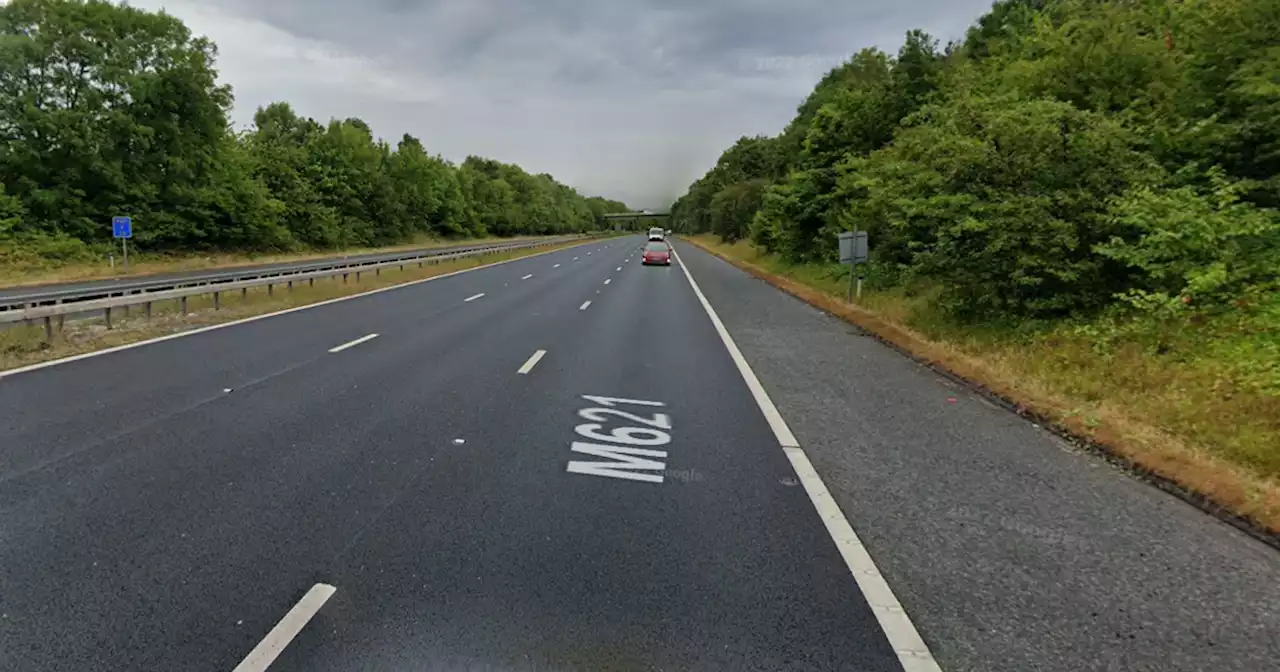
560 463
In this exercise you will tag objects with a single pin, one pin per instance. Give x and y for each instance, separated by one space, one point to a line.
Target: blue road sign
121 227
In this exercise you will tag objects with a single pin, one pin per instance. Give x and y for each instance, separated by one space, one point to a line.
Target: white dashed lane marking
533 361
270 648
352 344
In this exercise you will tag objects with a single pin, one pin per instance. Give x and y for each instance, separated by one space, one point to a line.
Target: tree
734 208
1069 152
1002 202
109 109
106 109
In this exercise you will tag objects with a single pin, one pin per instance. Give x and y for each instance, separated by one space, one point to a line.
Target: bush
1002 201
1191 248
37 250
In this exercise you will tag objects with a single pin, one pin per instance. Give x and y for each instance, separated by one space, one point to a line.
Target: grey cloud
569 86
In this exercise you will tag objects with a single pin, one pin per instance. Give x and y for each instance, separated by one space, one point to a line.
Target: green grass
1196 399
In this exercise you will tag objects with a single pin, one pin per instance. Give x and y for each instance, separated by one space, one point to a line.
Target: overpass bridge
635 221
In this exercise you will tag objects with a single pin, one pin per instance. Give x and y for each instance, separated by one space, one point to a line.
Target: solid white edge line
266 652
527 277
912 652
533 361
469 299
584 306
352 344
255 318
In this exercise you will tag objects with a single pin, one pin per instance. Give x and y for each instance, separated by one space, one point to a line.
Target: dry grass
1178 419
23 345
148 264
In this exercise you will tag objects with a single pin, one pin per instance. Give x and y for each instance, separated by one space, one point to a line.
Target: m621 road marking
624 459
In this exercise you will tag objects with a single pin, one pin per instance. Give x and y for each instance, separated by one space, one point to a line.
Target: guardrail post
107 313
291 285
311 282
271 291
48 328
419 263
344 278
357 276
62 320
377 272
184 306
244 292
217 301
148 310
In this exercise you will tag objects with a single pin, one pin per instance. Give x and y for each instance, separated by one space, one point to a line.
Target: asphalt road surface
556 463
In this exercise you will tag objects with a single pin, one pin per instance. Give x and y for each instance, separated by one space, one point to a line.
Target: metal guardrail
16 298
52 307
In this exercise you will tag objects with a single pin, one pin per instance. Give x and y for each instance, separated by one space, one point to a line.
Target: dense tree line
1065 155
110 110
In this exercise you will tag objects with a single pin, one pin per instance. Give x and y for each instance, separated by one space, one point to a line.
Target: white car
656 234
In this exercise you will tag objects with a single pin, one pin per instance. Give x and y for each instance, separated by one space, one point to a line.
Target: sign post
122 228
853 251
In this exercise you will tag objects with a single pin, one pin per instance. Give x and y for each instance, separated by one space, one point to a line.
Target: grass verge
1174 414
39 272
23 345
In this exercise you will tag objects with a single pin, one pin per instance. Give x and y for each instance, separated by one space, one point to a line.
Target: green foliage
1001 201
11 212
1069 154
793 213
734 207
1195 249
106 109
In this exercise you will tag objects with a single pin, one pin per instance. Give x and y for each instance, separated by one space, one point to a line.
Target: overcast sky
630 100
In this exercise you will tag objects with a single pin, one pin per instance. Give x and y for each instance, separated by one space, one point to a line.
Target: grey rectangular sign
853 247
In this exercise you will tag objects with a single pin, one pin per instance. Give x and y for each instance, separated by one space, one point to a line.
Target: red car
656 252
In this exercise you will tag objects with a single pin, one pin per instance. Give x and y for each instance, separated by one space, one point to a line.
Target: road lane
426 479
501 558
45 413
179 537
